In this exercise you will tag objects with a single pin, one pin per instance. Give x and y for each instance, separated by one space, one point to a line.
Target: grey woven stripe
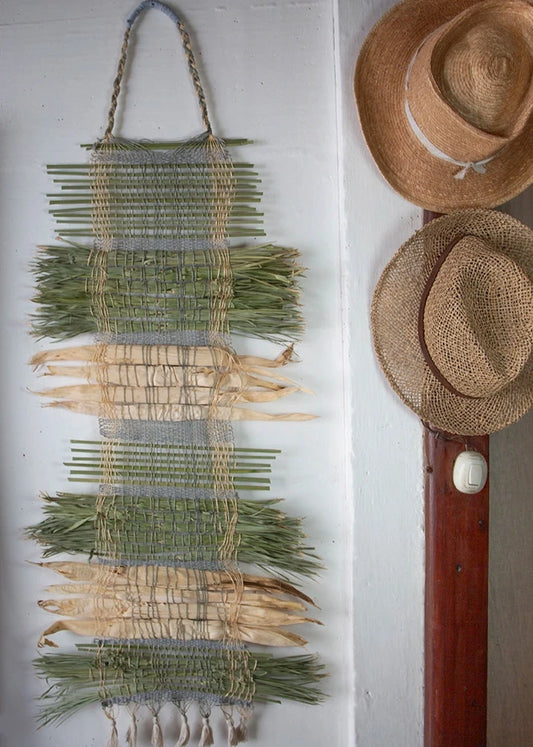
194 645
190 338
154 244
161 491
163 560
128 152
194 432
173 696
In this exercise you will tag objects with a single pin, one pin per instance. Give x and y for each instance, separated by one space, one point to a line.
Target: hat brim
394 321
419 176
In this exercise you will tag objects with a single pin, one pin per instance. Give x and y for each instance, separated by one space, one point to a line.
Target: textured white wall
279 72
270 76
386 443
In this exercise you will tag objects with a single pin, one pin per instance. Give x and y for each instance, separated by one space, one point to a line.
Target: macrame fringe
157 734
131 734
185 732
113 739
242 731
234 733
233 736
242 727
206 738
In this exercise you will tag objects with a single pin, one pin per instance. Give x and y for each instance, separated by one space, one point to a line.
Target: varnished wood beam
456 596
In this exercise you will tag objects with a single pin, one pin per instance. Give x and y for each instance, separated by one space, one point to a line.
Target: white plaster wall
270 75
281 73
386 444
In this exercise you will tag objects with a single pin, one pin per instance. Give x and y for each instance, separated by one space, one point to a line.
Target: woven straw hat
444 90
452 321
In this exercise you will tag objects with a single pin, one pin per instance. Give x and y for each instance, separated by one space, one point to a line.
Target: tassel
131 734
242 728
206 738
157 734
233 736
185 732
113 739
242 731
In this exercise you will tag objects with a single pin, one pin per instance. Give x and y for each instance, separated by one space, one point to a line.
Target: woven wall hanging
159 259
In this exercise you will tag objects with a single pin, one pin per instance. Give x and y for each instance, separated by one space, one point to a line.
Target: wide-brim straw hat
444 91
452 322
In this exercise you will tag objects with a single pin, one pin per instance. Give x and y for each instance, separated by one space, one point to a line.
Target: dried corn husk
105 608
170 383
157 376
128 610
164 577
160 355
210 630
249 597
164 395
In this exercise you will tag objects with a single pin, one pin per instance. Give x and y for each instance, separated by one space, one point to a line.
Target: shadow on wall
510 685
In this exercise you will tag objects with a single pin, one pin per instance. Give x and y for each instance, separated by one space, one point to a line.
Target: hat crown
478 318
483 67
469 87
459 293
432 120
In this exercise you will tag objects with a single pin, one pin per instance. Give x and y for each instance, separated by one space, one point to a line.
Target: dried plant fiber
444 92
474 316
161 284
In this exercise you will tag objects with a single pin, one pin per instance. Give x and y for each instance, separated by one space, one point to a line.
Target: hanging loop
152 4
186 41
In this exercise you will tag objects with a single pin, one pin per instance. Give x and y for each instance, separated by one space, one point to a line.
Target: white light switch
470 472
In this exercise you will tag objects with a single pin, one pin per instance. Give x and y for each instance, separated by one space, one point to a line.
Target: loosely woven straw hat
452 321
444 90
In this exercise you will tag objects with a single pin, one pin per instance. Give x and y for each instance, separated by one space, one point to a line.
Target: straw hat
452 321
444 90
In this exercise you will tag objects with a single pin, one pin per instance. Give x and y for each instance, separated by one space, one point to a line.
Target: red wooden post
456 605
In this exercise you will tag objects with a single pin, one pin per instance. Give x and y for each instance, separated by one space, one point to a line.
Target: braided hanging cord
191 62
